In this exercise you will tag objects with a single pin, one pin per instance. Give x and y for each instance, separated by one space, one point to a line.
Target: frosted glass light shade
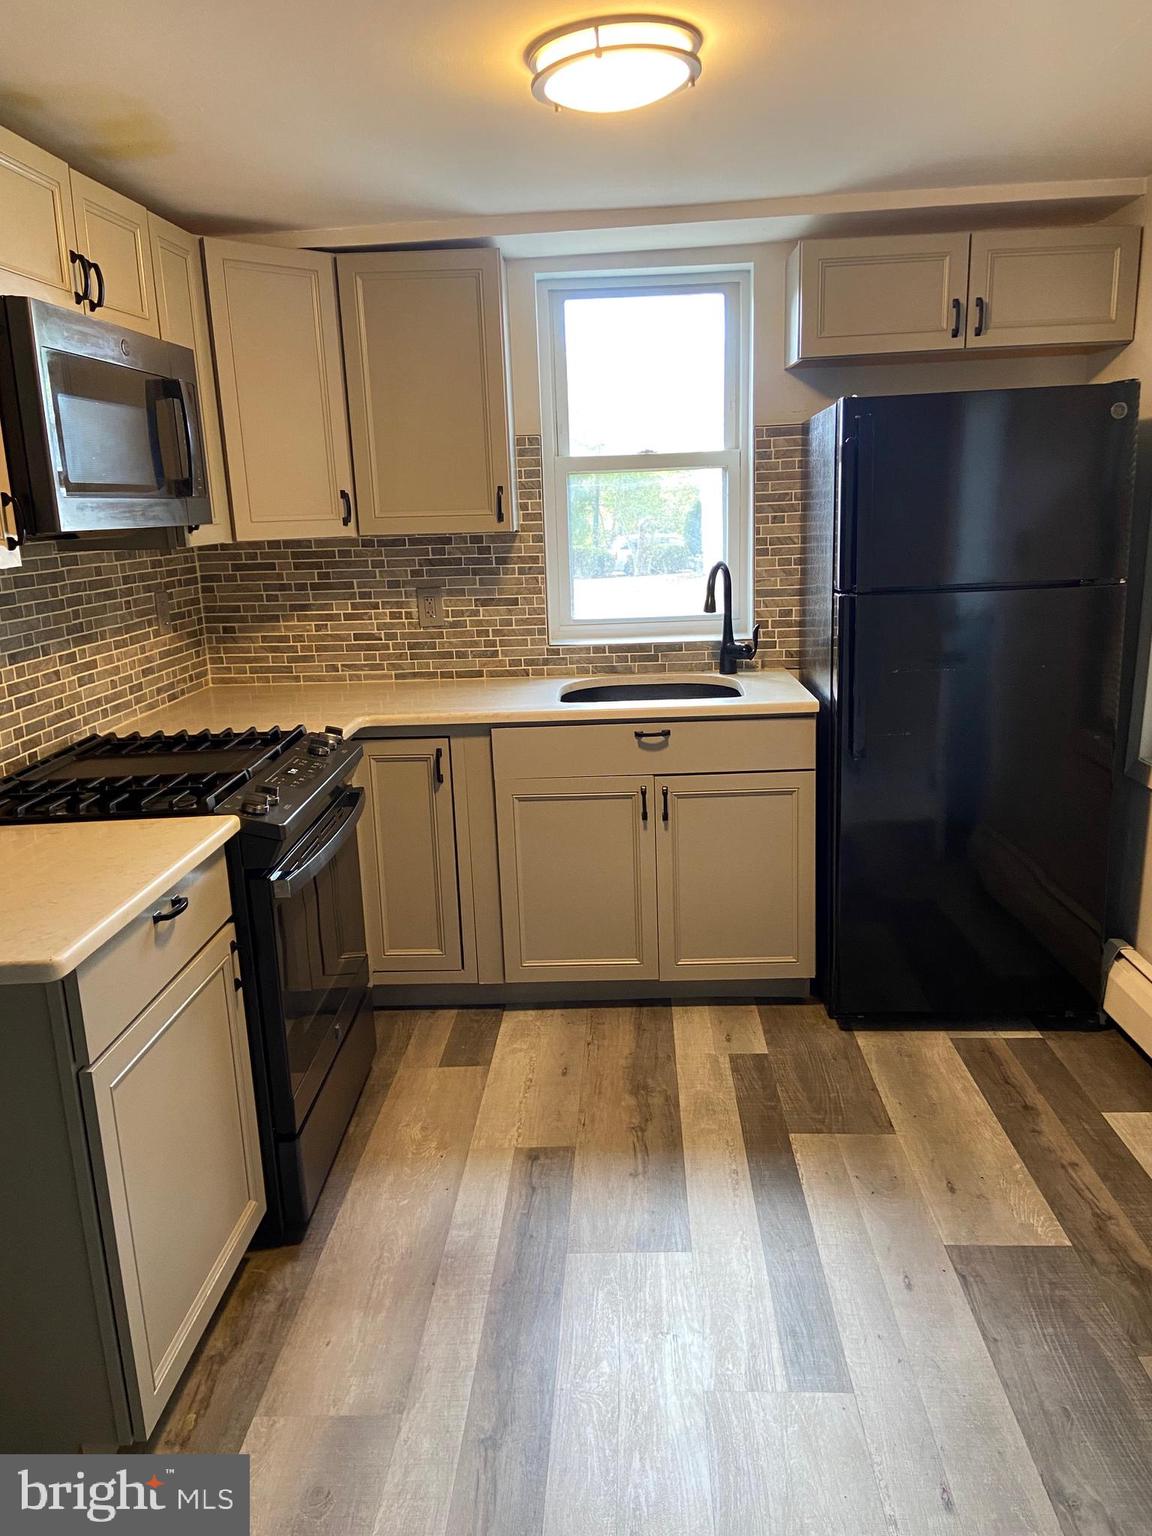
615 63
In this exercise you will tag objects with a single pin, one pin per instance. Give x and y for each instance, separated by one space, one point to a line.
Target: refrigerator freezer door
972 782
991 488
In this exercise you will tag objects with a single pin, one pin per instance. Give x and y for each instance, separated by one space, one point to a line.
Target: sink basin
654 691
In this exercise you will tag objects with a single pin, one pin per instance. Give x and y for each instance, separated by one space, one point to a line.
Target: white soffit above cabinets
287 114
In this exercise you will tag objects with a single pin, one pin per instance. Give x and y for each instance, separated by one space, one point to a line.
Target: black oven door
313 961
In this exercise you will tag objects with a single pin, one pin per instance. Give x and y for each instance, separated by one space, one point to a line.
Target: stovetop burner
178 774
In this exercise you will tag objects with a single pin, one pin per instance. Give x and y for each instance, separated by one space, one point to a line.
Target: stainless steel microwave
101 425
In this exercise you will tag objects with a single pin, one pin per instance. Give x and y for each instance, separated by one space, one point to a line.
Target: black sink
608 693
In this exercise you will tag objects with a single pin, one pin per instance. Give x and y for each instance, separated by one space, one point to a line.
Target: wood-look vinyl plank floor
1082 1400
628 1192
735 1291
821 1479
642 1271
1112 1072
821 1077
1094 1220
995 1487
1125 1175
1135 1131
501 1470
810 1344
973 1179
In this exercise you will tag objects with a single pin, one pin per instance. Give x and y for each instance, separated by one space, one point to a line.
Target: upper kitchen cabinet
182 311
112 236
895 294
851 298
1053 287
427 390
37 233
277 336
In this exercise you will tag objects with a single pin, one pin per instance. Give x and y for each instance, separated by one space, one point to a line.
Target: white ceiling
249 114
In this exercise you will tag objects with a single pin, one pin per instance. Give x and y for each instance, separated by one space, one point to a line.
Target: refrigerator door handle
851 695
859 471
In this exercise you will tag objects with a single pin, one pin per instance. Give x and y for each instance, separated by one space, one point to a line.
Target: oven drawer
654 746
119 981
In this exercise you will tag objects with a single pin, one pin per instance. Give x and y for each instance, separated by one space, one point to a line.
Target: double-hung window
646 442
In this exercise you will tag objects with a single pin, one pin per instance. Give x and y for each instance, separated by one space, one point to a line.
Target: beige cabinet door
864 297
408 858
1053 287
172 1132
182 312
578 879
736 861
37 232
427 390
9 532
112 231
277 337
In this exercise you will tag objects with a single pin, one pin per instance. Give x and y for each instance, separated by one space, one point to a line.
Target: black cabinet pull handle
981 318
81 261
957 317
14 539
346 503
664 797
652 735
499 503
101 291
644 804
177 905
439 765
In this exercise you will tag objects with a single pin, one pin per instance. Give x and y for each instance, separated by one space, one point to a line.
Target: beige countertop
356 706
69 887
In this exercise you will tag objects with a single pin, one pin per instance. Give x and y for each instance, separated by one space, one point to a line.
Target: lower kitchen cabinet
690 877
129 1138
172 1127
735 876
578 879
408 855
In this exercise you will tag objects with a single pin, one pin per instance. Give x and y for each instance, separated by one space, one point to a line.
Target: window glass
642 541
645 373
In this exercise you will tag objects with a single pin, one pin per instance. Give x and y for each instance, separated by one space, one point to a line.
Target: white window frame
735 458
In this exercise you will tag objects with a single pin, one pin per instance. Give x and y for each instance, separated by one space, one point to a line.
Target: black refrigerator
963 615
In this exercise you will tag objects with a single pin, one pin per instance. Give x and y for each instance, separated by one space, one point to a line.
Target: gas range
272 779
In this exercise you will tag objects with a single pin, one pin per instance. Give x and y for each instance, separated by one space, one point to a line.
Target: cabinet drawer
119 981
654 746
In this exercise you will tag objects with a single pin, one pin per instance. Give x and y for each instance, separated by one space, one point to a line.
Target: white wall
780 396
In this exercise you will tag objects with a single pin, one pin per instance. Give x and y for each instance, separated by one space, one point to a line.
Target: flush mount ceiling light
614 63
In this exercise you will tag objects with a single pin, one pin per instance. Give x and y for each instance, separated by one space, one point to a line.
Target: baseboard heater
1128 993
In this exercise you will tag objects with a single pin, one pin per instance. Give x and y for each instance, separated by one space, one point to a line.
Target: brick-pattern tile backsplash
89 638
85 642
310 609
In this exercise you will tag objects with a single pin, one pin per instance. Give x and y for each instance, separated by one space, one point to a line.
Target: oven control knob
270 793
256 805
318 747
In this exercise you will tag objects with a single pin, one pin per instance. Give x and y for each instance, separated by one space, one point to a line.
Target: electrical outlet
429 606
163 608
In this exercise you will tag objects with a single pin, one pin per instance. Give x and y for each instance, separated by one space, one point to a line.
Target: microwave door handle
154 391
173 389
286 883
